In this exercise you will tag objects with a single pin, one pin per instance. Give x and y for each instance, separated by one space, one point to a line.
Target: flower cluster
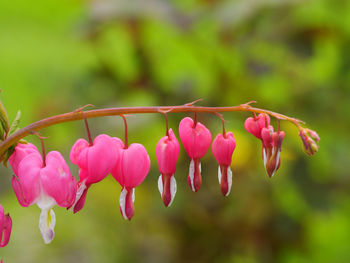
46 180
260 127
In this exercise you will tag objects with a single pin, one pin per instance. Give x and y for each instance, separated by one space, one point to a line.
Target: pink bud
255 125
95 163
167 152
5 227
272 143
196 139
130 171
309 137
223 147
46 186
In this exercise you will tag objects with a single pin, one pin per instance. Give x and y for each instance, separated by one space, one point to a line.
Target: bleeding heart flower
130 171
196 139
255 125
167 152
5 227
272 143
45 184
223 147
95 163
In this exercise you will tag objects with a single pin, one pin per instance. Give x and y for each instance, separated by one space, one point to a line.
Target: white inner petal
173 188
229 180
79 193
277 163
219 174
160 185
133 195
47 222
122 201
191 174
264 155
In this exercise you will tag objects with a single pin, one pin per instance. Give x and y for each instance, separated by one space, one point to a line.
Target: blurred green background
291 56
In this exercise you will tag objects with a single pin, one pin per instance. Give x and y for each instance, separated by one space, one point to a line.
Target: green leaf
4 127
8 153
14 126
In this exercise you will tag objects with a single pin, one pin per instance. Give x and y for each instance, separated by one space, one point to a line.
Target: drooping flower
196 139
95 163
223 147
272 143
130 171
167 151
310 139
5 227
45 183
254 124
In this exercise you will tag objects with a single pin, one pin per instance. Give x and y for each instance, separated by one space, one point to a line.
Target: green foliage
290 56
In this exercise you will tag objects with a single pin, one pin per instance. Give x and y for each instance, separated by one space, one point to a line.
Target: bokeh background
291 56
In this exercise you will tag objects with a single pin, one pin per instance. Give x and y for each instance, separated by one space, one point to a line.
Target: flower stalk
79 115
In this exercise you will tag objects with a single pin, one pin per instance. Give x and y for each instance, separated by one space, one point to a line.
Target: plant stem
79 115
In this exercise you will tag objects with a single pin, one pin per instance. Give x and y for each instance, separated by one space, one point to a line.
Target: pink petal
5 232
29 178
76 150
102 157
21 151
57 181
17 188
223 148
133 167
195 139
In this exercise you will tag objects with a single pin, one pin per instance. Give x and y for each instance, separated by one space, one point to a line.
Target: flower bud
272 143
223 147
196 139
130 171
308 138
167 151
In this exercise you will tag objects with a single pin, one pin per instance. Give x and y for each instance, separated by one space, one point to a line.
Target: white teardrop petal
191 175
160 185
173 189
47 222
219 174
122 201
229 180
133 195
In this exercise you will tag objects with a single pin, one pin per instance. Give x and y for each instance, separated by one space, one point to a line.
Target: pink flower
223 147
130 171
272 143
95 163
196 139
46 184
255 125
5 227
167 152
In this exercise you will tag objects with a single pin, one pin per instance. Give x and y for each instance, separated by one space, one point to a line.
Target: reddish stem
88 130
78 115
126 145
